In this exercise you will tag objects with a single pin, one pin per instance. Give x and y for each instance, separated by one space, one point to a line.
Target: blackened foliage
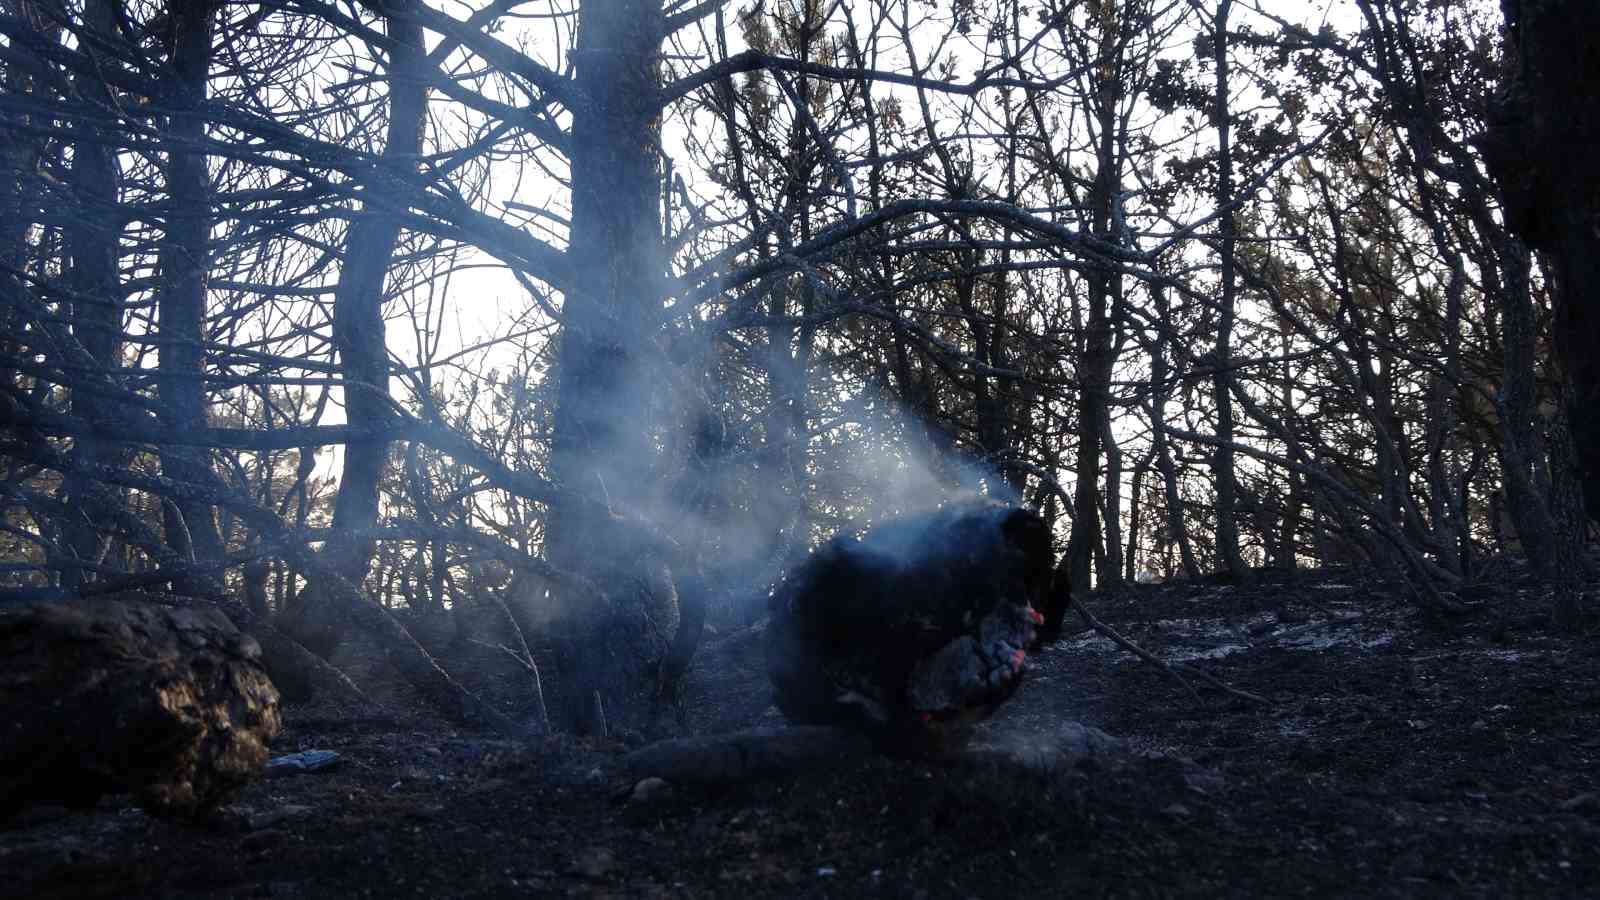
916 627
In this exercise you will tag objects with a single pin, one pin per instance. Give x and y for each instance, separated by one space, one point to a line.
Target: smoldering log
100 697
916 628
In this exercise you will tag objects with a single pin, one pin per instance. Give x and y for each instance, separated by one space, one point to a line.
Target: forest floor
1397 756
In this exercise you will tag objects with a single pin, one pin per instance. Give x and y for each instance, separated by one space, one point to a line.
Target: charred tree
1161 443
359 333
1223 464
358 328
1543 126
1097 358
603 439
185 269
91 238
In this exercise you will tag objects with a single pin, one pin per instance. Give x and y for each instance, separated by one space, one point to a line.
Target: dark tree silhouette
1544 124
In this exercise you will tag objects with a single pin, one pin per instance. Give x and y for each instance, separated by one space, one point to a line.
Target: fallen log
101 697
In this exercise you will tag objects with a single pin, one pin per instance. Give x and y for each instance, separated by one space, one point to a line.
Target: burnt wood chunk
170 704
916 628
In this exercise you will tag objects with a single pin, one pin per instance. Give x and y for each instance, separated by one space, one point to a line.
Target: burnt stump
916 628
104 697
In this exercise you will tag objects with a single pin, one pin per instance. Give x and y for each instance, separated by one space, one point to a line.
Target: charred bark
1543 124
1097 358
92 247
359 333
185 266
1532 511
1161 443
1223 464
358 327
603 435
105 697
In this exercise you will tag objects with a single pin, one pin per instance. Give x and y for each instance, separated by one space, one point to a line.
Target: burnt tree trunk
91 242
602 444
1130 556
1161 442
358 328
1223 464
359 332
1527 508
1097 358
185 264
1543 125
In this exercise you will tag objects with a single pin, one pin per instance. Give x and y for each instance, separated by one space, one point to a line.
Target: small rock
827 872
302 762
1178 810
650 789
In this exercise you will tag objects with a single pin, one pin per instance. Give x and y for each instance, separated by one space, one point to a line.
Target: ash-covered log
918 627
101 697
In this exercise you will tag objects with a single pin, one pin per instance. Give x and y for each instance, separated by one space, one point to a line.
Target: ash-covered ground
1396 756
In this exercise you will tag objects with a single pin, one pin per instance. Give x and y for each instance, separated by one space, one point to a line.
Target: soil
1396 756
